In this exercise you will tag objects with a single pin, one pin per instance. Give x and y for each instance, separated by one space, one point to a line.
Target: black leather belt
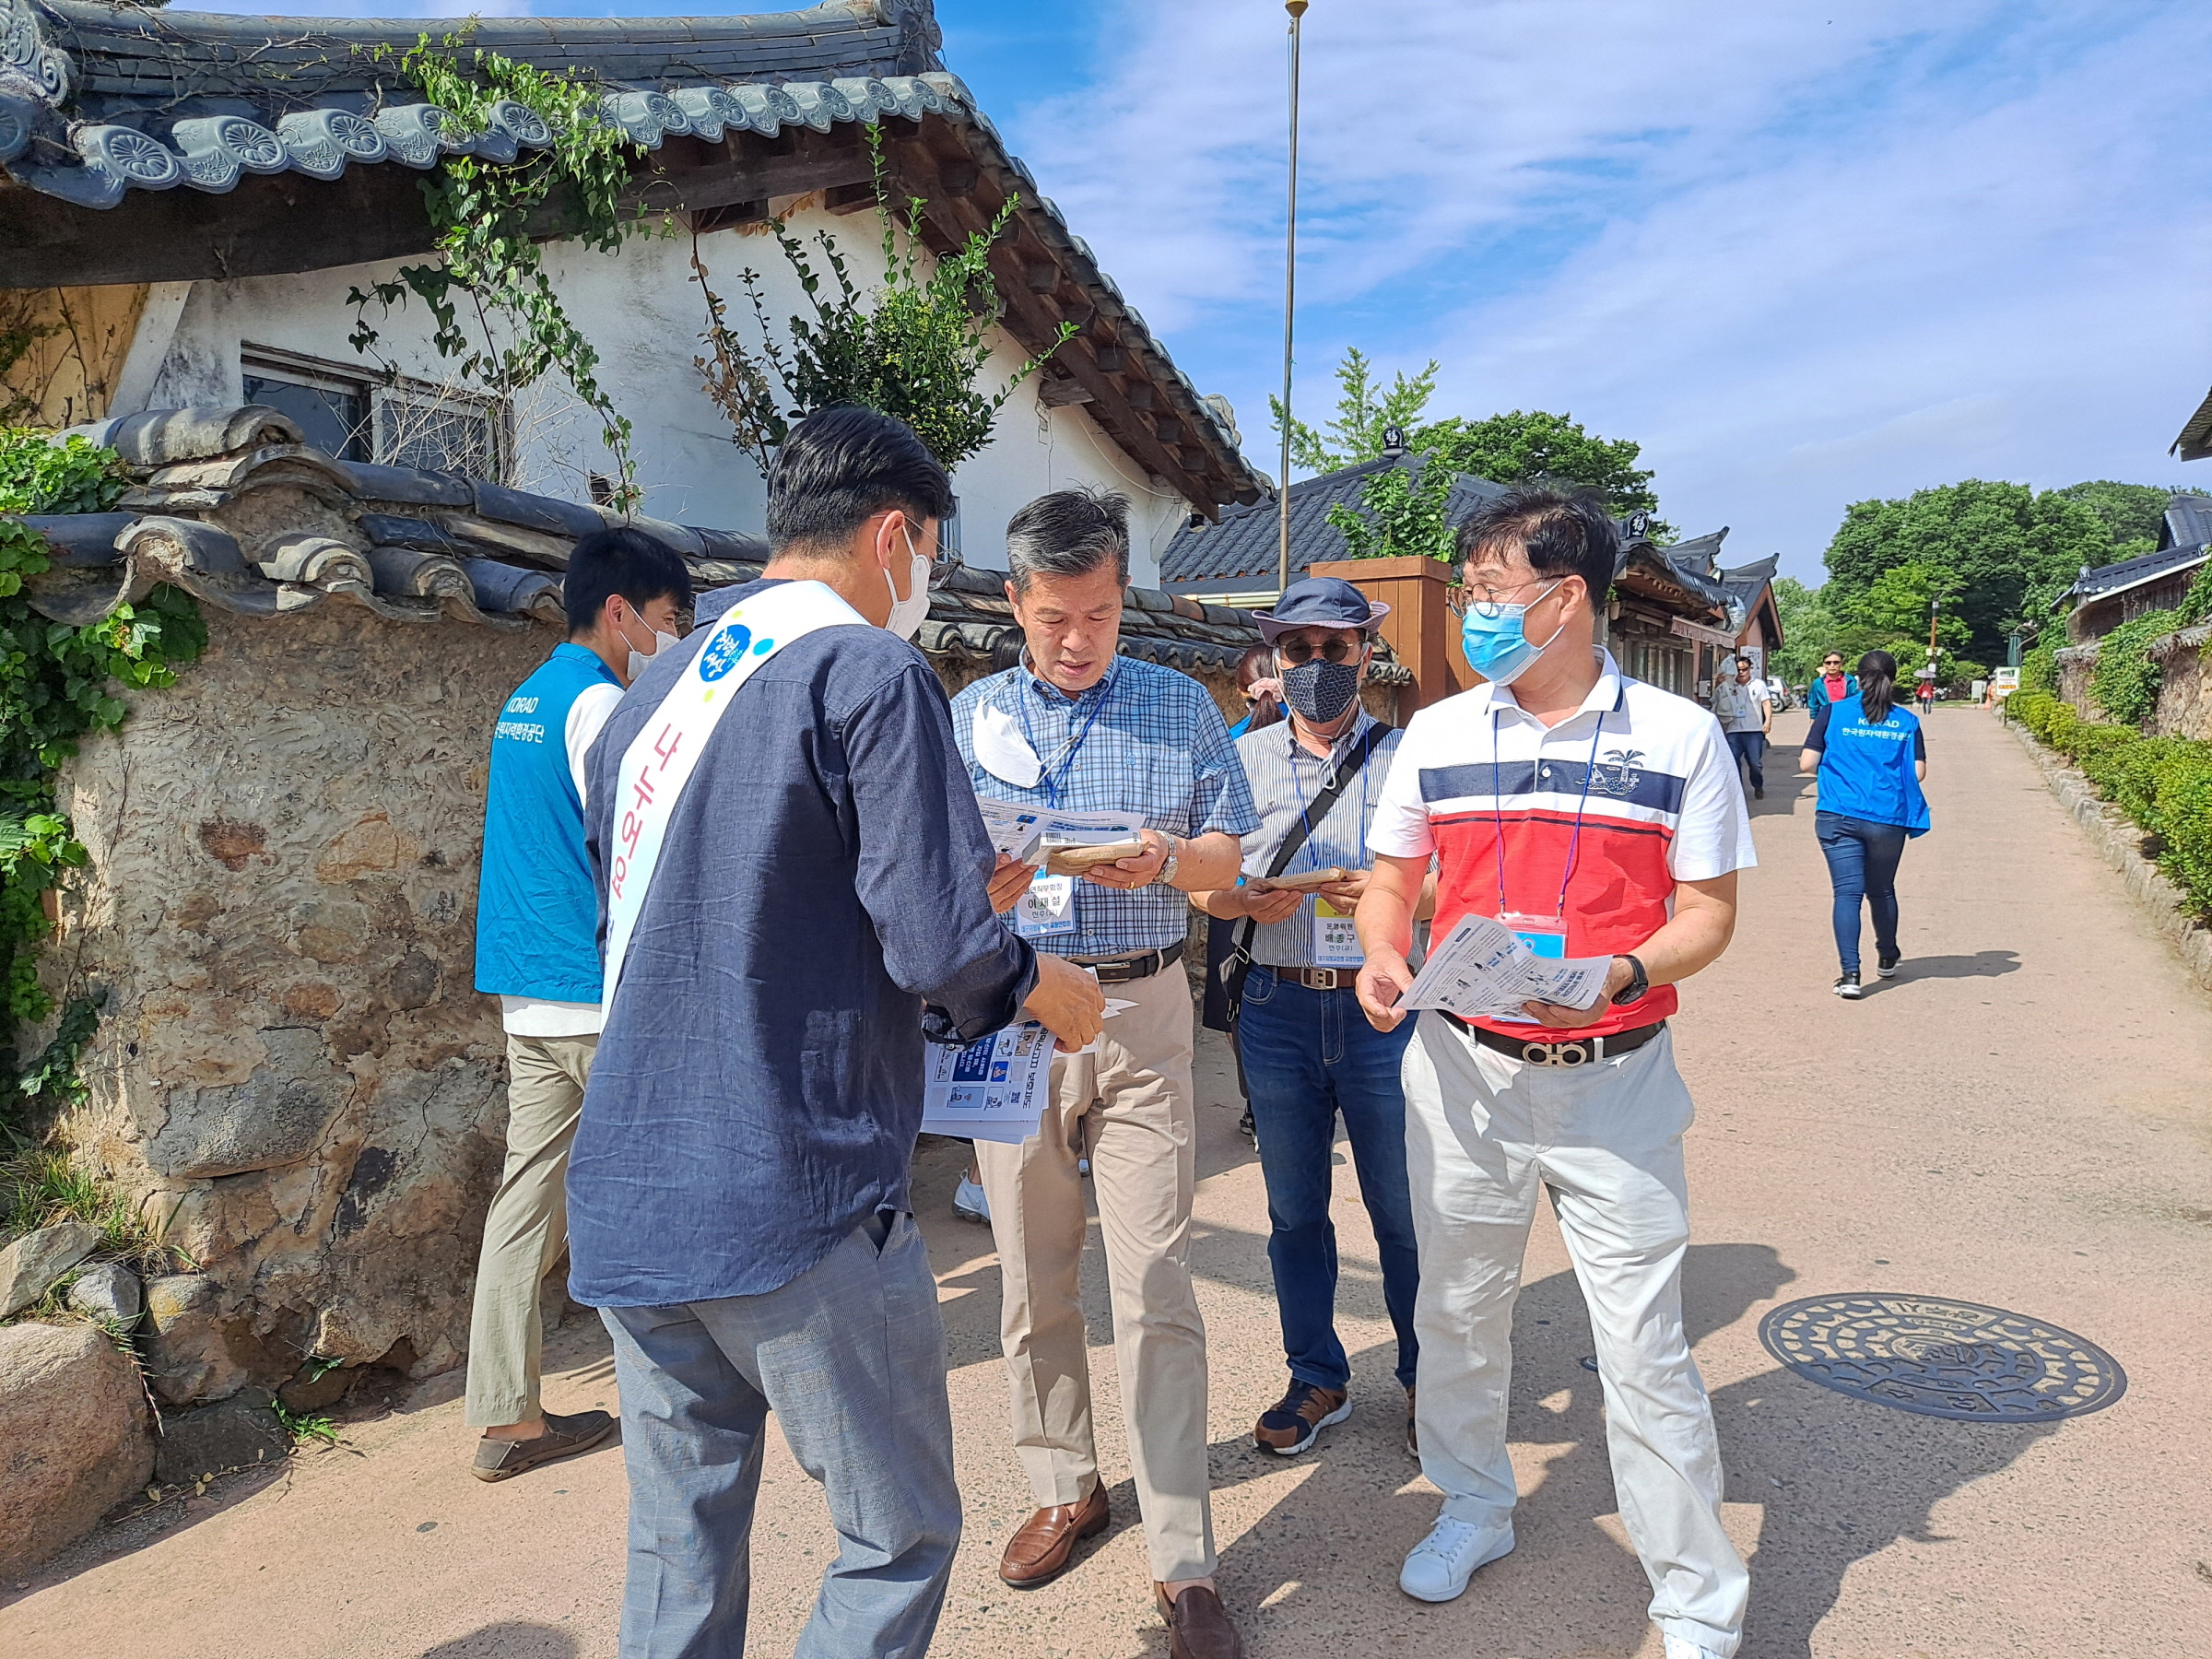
1578 1052
1120 971
1314 978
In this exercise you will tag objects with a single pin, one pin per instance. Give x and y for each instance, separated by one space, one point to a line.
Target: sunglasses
1298 650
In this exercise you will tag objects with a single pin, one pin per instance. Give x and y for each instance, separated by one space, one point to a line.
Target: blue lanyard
1067 756
1498 815
1305 811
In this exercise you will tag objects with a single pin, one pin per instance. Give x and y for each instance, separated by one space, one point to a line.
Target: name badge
1336 940
1546 937
1048 909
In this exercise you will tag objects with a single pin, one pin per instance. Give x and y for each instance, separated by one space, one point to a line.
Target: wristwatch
1638 982
1166 871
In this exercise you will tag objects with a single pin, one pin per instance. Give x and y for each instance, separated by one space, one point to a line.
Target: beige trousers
529 1225
1128 1109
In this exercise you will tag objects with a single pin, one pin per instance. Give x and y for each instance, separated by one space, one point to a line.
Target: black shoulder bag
1226 962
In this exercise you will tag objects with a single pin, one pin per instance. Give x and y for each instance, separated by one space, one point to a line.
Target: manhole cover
1943 1359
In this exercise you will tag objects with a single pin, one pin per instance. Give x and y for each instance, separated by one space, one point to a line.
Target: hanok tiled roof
1239 554
232 506
98 100
2108 580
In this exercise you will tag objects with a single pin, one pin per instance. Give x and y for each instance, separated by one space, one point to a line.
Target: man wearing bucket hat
1309 1055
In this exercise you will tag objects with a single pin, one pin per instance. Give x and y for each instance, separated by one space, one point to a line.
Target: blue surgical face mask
1497 645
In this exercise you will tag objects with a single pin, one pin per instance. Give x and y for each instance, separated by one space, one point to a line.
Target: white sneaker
1441 1563
968 1203
1679 1647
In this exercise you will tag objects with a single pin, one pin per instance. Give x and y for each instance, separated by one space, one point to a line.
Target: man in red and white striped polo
1595 816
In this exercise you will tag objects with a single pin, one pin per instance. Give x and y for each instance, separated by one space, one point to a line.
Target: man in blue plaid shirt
1077 728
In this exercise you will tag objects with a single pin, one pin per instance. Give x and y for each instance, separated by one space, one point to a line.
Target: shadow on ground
508 1640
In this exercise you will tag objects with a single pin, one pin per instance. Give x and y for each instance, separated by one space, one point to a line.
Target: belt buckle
1560 1053
1324 979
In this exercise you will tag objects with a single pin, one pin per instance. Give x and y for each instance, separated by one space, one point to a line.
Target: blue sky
1805 253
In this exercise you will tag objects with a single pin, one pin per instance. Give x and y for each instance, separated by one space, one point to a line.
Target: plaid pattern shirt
1145 739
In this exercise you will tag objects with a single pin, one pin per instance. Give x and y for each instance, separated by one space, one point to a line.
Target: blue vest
1867 771
537 912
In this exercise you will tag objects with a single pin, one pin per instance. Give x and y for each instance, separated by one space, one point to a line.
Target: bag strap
1317 810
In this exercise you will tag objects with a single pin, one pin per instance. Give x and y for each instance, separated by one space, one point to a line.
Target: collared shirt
1284 778
1633 792
1740 708
819 908
1145 740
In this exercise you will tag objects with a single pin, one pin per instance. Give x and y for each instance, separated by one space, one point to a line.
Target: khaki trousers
1128 1109
529 1225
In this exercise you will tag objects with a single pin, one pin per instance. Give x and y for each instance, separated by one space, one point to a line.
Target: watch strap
1639 985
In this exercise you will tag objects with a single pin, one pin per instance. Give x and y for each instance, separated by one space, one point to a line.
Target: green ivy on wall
57 683
495 312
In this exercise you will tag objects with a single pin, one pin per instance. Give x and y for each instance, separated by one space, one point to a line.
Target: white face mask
905 619
638 659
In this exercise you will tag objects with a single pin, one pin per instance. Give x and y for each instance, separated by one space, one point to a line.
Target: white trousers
1484 1135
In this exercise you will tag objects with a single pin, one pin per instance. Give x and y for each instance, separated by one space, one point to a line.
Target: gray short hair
1068 533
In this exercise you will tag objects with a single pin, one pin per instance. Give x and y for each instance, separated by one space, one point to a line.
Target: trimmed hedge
2163 783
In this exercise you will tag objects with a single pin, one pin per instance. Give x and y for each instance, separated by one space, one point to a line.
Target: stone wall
293 1069
2184 691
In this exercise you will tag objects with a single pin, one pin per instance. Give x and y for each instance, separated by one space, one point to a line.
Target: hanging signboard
1684 629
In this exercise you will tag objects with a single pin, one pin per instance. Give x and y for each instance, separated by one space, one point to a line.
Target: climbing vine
915 347
2126 682
495 312
57 683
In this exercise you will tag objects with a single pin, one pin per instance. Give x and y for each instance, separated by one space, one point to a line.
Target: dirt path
2023 1118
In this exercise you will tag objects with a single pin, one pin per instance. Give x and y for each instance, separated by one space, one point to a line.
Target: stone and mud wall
2185 689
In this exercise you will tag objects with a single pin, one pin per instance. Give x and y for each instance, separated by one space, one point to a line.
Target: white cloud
1803 262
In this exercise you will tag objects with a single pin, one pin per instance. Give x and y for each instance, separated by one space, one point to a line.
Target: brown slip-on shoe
1198 1626
564 1437
1043 1546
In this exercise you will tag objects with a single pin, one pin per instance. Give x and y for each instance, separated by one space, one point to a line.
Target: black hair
1007 646
1068 533
621 560
841 467
1564 531
1877 686
1744 662
1259 663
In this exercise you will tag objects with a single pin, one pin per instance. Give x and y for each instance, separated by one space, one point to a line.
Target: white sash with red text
658 762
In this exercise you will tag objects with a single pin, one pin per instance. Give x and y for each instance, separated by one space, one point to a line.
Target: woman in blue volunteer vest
1870 756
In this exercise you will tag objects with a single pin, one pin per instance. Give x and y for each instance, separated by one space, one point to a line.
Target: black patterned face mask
1320 690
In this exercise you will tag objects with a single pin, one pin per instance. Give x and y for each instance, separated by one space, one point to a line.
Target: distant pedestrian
1870 756
1831 685
1745 710
538 951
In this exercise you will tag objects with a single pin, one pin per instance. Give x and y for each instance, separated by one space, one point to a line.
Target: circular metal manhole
1943 1358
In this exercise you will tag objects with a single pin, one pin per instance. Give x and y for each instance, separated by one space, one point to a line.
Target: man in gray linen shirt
1309 1053
738 1193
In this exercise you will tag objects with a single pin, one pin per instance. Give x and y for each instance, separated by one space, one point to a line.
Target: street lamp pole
1296 9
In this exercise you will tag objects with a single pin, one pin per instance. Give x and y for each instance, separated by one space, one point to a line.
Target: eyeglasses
1489 602
1298 649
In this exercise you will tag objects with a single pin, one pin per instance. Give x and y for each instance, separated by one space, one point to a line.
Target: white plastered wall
643 313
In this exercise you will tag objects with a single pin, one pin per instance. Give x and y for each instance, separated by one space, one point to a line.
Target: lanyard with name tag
1048 909
1336 940
1544 935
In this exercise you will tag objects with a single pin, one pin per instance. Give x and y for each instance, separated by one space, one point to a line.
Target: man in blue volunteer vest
538 951
795 898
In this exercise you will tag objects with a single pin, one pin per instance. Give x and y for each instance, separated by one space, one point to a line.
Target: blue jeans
849 1356
1750 750
1862 863
1307 1057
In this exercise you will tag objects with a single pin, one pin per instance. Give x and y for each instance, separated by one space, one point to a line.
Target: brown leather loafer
1041 1549
1198 1626
564 1437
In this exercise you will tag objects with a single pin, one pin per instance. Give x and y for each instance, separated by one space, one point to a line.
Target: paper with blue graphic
990 1090
1482 970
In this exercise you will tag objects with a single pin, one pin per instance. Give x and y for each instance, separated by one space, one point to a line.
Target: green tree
1365 410
1528 446
2012 551
1808 630
1898 602
1403 512
2134 513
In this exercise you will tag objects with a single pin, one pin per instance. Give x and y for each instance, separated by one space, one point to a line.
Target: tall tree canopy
2010 551
2134 513
1505 449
